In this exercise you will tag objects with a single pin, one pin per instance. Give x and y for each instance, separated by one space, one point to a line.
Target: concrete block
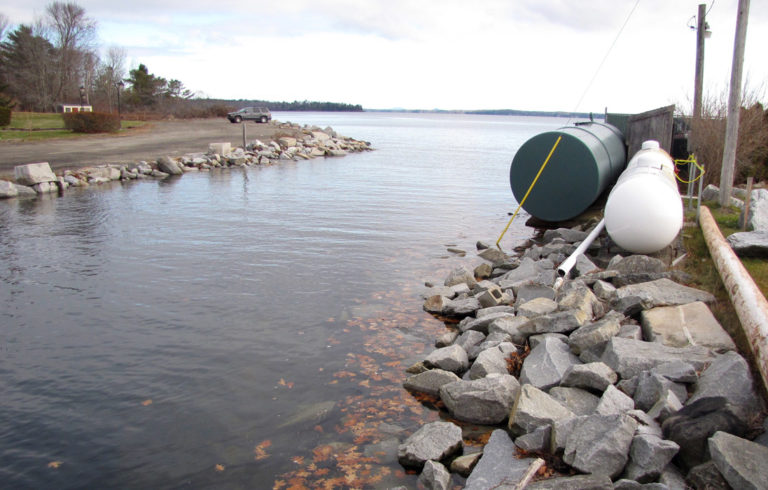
33 173
220 148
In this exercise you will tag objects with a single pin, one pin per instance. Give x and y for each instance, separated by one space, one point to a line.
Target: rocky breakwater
297 143
619 378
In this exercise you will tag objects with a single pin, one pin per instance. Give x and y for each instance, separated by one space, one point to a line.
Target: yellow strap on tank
557 142
690 159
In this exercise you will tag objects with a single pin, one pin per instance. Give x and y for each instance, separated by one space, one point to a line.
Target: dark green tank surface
589 157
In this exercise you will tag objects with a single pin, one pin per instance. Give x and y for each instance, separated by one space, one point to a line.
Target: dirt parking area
171 138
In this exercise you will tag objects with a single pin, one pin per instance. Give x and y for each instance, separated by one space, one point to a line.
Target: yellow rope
529 190
691 159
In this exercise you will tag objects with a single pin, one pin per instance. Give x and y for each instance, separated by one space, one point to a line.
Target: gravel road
156 139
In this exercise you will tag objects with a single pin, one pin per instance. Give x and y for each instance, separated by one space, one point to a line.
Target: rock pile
622 374
37 178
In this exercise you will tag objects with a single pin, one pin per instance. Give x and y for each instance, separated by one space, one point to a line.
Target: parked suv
258 114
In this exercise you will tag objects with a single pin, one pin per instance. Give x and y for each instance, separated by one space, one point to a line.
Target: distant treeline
296 105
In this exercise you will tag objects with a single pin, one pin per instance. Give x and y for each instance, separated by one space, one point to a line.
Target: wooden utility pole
734 105
699 79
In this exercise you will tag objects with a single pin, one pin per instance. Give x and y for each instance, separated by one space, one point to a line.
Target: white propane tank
644 212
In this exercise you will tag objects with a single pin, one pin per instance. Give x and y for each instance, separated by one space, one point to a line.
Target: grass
702 269
39 126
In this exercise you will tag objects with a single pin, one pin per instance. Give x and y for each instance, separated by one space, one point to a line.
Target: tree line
55 60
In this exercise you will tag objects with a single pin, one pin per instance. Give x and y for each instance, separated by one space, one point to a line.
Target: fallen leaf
147 403
287 384
219 467
54 464
261 450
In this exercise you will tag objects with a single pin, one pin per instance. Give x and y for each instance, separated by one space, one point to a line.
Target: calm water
241 328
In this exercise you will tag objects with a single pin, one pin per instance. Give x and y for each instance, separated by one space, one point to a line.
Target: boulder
434 441
614 402
489 361
509 325
638 264
561 430
689 324
604 290
653 387
583 300
534 408
469 339
429 382
436 304
558 322
580 402
483 271
460 275
447 338
527 292
750 243
665 407
482 401
220 148
648 456
461 307
728 376
7 189
706 475
677 371
540 305
578 482
698 421
596 334
547 363
463 465
600 444
499 465
484 312
663 292
452 358
631 357
536 441
434 476
566 234
758 211
33 173
593 376
741 462
493 255
169 166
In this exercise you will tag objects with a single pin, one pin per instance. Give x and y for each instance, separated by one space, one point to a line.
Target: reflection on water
233 328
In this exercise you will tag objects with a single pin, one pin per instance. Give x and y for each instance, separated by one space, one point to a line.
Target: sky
552 55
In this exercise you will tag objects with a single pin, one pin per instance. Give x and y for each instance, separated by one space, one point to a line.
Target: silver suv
258 114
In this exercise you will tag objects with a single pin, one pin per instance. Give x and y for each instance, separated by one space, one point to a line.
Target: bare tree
73 34
110 74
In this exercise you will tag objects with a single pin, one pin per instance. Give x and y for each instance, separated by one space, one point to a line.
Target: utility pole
734 105
701 30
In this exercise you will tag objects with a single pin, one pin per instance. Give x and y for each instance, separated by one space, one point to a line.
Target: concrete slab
681 326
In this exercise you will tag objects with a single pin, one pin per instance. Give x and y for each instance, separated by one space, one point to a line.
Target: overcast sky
425 54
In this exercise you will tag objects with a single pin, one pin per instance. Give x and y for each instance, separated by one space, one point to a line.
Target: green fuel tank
589 158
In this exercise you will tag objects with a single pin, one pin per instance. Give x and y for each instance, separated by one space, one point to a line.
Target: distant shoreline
498 112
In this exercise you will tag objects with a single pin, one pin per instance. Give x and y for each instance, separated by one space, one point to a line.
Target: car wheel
263 119
238 119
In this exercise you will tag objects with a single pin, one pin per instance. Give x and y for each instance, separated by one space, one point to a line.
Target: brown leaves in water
515 361
146 403
219 468
55 464
287 384
261 450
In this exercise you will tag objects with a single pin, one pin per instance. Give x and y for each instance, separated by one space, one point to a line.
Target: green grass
38 126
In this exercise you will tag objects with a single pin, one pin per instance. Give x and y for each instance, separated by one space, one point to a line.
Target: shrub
91 122
5 116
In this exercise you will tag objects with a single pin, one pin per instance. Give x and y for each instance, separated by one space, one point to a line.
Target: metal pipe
747 299
568 263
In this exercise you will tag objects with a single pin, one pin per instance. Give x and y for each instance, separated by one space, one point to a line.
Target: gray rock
663 292
482 401
483 271
460 275
527 292
429 382
580 402
434 441
645 424
638 264
481 323
7 189
489 361
670 479
706 475
630 331
625 484
648 456
536 441
668 405
498 465
758 211
604 290
596 334
483 312
594 376
385 451
461 307
653 387
677 371
728 376
536 306
547 363
463 465
689 324
452 358
583 300
696 422
578 482
469 339
167 165
493 255
583 266
600 444
447 339
497 339
434 476
614 402
436 304
561 431
741 462
566 234
510 327
33 173
535 340
749 243
631 357
559 322
534 408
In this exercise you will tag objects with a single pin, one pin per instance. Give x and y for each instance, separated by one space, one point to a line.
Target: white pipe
568 263
747 299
